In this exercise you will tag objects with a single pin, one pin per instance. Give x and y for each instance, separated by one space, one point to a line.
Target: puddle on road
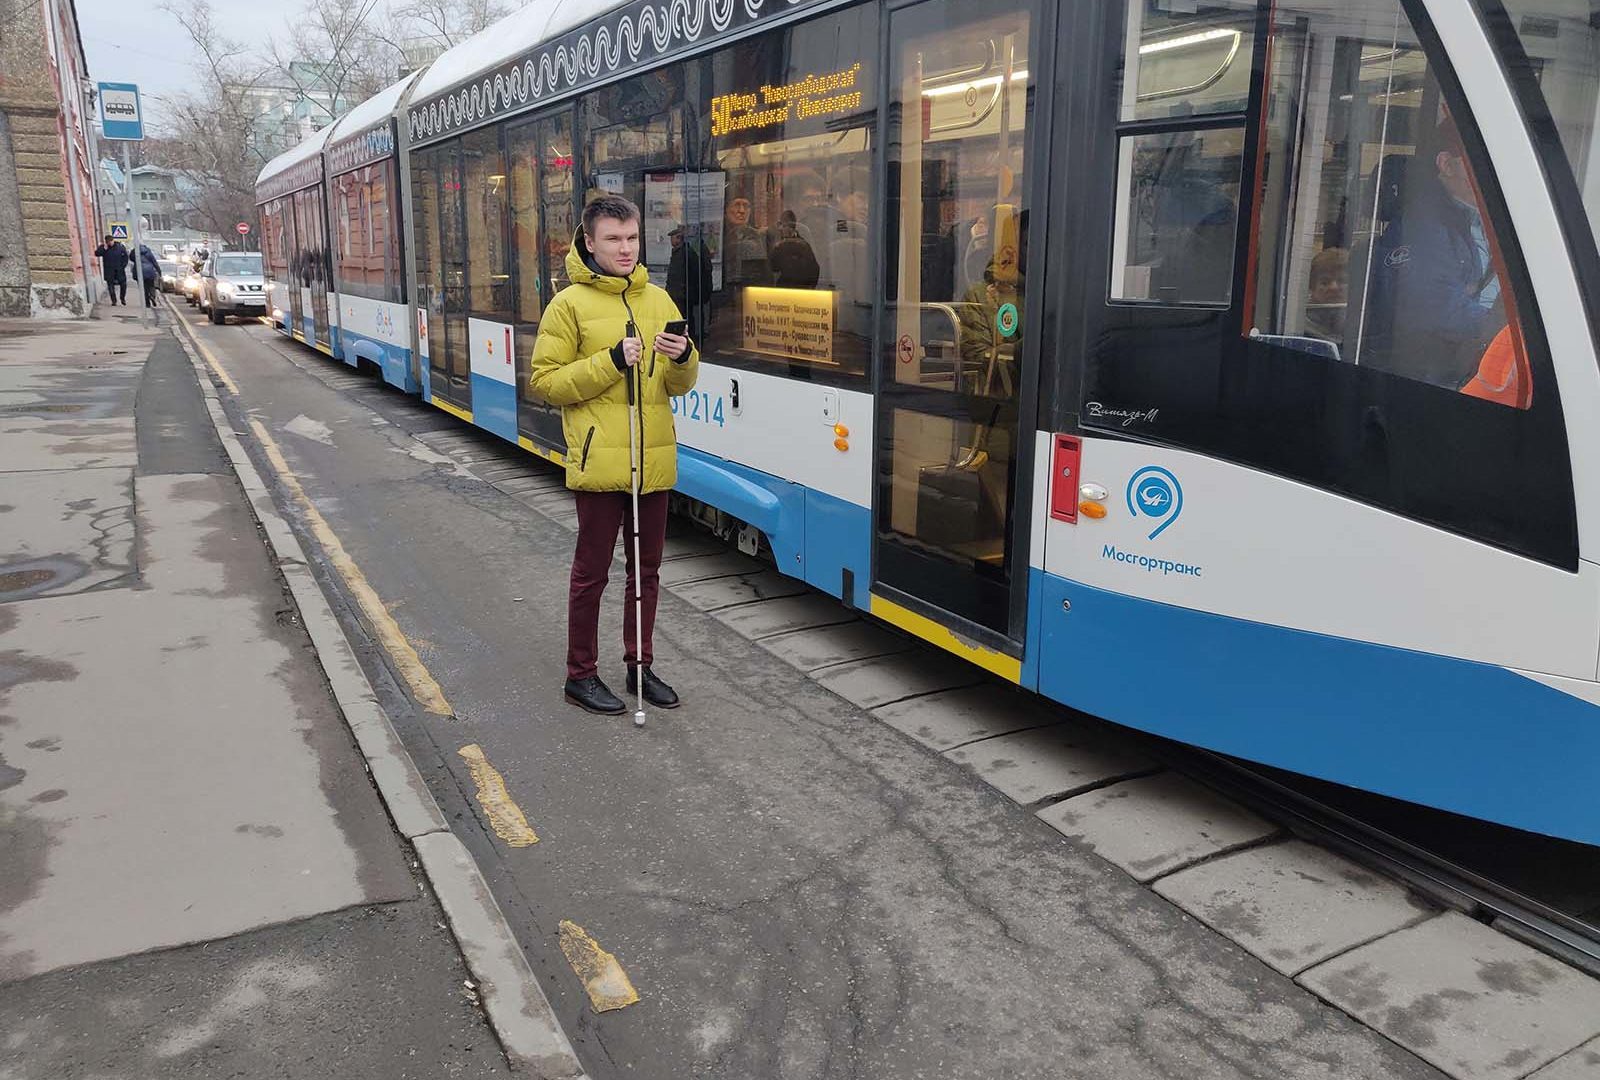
20 581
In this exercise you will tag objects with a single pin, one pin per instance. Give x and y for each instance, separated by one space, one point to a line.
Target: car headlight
224 288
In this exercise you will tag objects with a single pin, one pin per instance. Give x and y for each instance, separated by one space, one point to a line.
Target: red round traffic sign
243 227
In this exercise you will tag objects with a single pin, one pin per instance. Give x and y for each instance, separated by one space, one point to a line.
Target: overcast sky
134 41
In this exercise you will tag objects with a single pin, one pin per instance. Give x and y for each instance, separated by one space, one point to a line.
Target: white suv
231 284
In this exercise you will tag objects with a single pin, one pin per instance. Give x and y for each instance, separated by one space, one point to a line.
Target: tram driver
1434 292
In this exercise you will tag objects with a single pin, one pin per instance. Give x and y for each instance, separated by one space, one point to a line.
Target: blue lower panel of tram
814 536
494 406
1427 729
393 360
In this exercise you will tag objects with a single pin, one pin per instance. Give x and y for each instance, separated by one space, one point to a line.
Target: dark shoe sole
653 705
591 709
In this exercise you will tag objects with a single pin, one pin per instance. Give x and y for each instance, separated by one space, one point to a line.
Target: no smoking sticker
906 349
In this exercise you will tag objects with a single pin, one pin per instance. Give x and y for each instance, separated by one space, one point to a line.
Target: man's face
108 241
676 238
739 211
615 245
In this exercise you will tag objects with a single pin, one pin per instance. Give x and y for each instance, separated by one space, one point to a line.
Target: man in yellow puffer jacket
582 362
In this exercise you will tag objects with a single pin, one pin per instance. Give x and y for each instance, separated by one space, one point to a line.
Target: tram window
1375 247
273 215
484 189
539 155
1187 59
367 259
778 231
558 191
1177 216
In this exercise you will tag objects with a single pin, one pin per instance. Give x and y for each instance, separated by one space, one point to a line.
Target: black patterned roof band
373 144
302 174
641 32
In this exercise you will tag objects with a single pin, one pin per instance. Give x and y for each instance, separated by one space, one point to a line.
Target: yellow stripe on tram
544 452
1007 667
455 411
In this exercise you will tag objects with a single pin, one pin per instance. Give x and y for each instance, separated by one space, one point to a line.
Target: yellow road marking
1007 667
505 816
607 984
427 692
205 353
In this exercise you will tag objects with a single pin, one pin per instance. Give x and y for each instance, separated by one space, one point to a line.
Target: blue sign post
121 114
122 119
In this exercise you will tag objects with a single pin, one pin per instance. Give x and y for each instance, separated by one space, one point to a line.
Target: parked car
232 284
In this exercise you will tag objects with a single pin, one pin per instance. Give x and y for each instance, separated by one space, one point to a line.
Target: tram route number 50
698 406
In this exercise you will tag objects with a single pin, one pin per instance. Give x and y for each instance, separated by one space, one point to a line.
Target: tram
1225 369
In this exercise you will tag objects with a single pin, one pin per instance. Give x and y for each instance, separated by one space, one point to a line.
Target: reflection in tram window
777 221
1187 60
955 304
367 249
1177 216
425 249
1558 54
1374 245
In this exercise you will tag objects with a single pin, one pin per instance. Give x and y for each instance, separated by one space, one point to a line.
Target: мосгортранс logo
1155 493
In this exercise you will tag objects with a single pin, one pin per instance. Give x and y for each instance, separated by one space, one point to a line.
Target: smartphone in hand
677 327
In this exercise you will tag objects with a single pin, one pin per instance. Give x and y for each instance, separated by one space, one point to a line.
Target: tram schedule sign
121 115
794 323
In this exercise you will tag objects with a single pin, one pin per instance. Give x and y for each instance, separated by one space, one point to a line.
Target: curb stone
517 1009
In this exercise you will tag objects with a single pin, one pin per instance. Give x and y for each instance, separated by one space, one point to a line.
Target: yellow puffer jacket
572 368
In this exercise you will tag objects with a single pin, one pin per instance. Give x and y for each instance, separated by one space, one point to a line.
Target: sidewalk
199 878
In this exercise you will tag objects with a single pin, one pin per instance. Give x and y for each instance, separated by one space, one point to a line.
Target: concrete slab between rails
765 618
702 567
1156 824
1580 1064
954 717
1464 998
880 680
1292 905
824 646
512 998
1045 763
716 593
522 1017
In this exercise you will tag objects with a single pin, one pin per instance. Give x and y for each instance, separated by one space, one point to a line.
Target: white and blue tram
1226 369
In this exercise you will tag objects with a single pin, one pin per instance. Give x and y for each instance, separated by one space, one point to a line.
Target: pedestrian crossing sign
119 230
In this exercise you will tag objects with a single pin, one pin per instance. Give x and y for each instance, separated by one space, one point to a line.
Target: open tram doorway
956 282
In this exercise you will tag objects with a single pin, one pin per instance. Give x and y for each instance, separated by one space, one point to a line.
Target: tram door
291 281
958 149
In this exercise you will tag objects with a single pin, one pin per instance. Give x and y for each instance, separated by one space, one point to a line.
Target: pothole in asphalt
20 581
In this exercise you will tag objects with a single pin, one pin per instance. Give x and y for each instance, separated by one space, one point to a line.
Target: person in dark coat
689 278
149 272
114 267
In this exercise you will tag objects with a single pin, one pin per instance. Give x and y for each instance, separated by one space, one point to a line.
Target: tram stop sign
243 227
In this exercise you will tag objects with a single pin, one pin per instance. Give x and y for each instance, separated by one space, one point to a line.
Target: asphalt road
794 889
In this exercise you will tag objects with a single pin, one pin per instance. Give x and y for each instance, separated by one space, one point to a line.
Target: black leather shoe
594 695
656 692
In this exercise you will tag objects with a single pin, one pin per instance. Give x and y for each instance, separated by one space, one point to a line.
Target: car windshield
238 265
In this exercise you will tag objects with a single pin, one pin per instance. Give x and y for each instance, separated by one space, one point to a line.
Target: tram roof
306 149
524 29
376 109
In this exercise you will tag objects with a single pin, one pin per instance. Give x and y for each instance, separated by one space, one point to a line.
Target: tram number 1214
697 406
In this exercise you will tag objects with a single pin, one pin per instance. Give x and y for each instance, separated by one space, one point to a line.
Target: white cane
638 564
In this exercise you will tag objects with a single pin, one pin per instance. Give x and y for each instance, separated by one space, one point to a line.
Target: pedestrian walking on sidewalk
114 267
610 328
149 274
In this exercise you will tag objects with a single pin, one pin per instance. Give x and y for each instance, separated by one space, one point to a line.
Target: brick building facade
48 219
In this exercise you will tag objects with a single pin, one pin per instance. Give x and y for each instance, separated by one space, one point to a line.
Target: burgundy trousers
601 515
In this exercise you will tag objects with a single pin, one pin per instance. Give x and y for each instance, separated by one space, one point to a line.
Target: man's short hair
608 206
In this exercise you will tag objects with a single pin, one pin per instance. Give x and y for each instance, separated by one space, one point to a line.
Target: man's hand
626 353
672 346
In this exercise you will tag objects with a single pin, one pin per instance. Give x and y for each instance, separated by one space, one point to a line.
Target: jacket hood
583 270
